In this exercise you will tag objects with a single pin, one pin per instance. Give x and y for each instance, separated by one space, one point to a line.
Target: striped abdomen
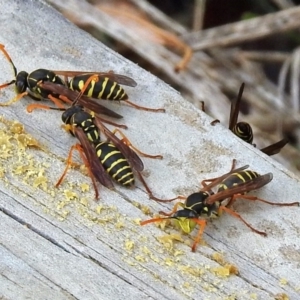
115 164
104 88
244 131
237 178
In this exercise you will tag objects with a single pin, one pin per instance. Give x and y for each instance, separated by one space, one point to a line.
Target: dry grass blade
143 28
240 32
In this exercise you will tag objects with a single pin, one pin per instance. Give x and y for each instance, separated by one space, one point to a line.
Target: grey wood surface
60 246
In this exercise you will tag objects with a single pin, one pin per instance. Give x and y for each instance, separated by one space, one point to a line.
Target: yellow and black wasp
107 161
96 85
244 131
206 204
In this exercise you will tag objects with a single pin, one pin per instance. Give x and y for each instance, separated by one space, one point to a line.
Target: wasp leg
202 224
84 159
15 99
206 182
253 198
126 141
175 208
31 107
236 215
91 78
144 108
150 193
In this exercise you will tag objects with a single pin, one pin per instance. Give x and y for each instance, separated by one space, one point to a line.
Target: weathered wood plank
54 247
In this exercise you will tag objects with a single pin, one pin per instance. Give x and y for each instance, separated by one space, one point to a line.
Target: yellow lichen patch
169 262
281 296
82 169
218 257
145 209
224 271
187 269
178 253
283 281
99 209
26 140
145 250
84 187
119 225
84 201
140 258
15 127
40 181
154 258
186 285
129 245
2 172
168 240
137 221
70 195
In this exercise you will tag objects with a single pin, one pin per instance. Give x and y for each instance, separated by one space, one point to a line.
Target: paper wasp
244 131
208 204
107 161
97 85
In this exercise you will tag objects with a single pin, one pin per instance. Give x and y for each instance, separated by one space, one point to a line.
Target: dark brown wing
132 157
90 103
235 108
95 165
221 178
120 79
245 187
274 148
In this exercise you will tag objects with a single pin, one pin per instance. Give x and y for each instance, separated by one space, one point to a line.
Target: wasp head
21 82
184 219
70 112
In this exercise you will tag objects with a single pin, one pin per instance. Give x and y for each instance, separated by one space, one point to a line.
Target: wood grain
60 246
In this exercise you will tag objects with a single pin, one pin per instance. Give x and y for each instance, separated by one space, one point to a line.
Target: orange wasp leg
126 141
253 198
69 162
236 215
202 225
150 192
15 99
210 180
31 107
144 108
91 78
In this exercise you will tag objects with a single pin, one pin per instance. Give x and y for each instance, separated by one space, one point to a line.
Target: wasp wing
274 148
94 163
120 79
90 103
217 180
242 188
132 157
235 108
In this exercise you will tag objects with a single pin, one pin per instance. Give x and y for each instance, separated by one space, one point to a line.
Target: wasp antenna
153 220
2 48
